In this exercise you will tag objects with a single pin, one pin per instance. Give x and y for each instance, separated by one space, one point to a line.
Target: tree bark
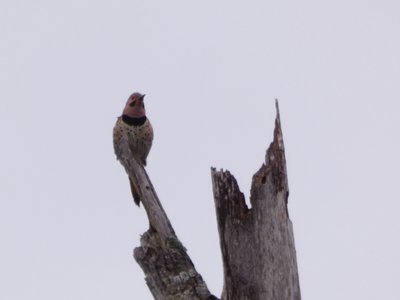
257 243
170 274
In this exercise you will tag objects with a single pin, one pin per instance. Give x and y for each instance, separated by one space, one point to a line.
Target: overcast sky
211 71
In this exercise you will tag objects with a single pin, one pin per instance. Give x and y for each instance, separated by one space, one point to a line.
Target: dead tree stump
257 243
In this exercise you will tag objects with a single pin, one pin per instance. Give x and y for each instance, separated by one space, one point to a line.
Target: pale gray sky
211 71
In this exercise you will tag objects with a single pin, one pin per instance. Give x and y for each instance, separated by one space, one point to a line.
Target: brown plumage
136 128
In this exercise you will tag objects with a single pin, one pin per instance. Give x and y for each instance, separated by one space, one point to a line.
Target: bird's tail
134 191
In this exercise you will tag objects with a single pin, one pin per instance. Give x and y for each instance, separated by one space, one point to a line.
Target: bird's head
134 107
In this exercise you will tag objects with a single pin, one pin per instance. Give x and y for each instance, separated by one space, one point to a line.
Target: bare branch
170 273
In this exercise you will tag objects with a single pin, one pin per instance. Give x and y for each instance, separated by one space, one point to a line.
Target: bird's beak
141 97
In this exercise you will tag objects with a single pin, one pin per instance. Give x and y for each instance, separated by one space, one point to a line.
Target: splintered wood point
257 243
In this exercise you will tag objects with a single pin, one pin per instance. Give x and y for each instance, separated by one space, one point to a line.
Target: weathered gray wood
170 274
257 243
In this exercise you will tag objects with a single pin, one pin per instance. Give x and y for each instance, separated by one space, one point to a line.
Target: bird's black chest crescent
134 121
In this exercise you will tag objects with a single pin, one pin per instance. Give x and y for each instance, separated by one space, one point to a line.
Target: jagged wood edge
257 243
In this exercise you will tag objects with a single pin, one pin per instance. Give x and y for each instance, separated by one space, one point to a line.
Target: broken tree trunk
170 274
257 243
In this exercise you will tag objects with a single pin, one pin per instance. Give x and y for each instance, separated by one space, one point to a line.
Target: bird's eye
133 103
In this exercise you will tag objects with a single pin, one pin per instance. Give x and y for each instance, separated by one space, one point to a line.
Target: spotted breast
140 137
133 129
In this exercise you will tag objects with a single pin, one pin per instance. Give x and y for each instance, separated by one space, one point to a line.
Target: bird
134 126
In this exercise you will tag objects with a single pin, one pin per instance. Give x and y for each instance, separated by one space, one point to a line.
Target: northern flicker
134 126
